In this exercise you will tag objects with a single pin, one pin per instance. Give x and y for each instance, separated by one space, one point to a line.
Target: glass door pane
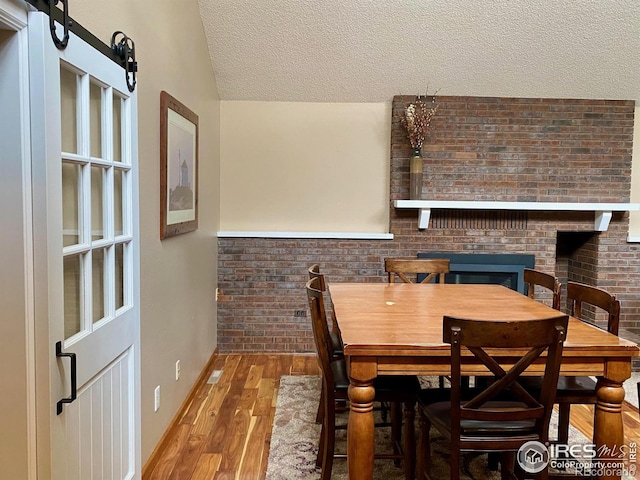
98 179
72 295
117 127
95 119
118 227
68 110
98 283
71 186
119 277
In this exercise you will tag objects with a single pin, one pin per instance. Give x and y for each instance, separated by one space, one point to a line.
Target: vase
415 176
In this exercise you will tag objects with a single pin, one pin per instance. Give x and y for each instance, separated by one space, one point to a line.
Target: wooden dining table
396 329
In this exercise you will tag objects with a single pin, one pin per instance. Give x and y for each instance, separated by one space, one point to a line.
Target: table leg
608 434
409 437
360 429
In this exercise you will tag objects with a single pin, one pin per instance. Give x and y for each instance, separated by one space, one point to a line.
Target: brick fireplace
502 149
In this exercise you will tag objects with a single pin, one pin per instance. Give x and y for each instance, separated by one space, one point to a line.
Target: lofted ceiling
371 50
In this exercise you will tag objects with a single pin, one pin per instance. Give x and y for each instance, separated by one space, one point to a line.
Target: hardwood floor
225 431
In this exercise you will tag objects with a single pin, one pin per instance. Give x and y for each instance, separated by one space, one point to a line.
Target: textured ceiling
371 50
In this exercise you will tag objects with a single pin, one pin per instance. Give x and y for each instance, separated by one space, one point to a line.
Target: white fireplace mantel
603 211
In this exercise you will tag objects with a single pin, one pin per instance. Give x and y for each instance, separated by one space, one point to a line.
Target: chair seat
583 388
431 395
390 387
440 415
336 343
384 385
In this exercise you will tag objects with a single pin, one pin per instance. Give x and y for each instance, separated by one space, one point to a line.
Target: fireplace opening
493 268
577 261
577 257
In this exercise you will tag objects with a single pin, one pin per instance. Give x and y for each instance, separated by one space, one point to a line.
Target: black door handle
74 392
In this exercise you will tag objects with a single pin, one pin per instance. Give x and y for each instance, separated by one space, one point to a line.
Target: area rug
295 437
631 389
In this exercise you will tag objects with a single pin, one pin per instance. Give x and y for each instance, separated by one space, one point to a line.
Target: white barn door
84 147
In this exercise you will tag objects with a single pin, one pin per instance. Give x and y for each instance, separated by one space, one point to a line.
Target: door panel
100 417
87 156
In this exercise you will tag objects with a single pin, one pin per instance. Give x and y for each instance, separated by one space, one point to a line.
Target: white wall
279 157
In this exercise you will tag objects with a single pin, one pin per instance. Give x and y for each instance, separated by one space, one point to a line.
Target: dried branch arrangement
417 120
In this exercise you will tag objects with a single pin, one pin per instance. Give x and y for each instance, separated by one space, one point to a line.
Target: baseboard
151 463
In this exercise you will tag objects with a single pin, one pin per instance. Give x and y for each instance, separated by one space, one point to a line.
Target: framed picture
178 167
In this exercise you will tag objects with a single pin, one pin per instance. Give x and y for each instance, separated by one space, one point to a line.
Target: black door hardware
74 379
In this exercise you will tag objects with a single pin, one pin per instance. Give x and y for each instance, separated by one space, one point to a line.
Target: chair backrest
314 272
320 328
545 280
535 336
579 294
401 267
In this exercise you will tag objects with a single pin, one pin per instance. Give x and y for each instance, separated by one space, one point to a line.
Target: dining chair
533 278
397 390
582 390
434 269
503 416
336 347
579 390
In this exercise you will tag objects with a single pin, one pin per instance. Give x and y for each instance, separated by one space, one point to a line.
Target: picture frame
178 167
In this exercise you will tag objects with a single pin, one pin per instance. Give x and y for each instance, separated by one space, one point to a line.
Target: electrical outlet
156 399
178 370
217 294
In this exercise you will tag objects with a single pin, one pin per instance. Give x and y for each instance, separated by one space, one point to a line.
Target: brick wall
479 149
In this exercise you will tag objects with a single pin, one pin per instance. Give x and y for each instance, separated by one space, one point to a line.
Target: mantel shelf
603 211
